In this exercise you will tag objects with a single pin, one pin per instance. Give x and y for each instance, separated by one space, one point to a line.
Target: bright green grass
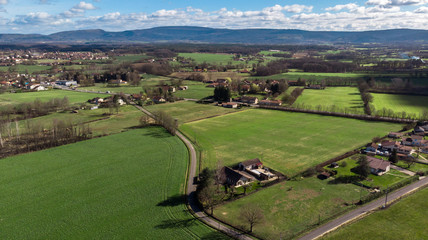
400 103
404 220
197 90
319 76
388 179
101 87
268 53
73 97
124 186
130 58
186 111
341 97
209 57
290 211
30 68
285 141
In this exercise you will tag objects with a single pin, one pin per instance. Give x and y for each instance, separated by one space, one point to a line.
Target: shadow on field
173 201
158 134
176 223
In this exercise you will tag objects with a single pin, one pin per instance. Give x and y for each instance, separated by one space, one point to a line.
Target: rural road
191 190
359 212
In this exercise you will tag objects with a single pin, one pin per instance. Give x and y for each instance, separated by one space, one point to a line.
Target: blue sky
48 16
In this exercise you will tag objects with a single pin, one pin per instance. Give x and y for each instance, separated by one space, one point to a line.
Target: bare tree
252 214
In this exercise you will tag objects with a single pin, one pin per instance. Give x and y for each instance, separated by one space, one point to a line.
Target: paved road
405 171
191 190
359 212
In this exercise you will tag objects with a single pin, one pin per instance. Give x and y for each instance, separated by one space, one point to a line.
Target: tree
222 93
252 214
410 160
363 168
393 158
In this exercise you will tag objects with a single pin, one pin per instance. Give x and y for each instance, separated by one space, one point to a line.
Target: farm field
101 188
286 142
197 90
186 111
404 220
295 75
73 97
209 57
26 68
129 58
101 87
293 206
341 97
400 103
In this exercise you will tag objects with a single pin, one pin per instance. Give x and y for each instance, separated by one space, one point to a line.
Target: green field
26 68
130 58
209 57
186 111
400 103
341 97
404 220
101 87
197 90
293 206
124 186
285 141
73 97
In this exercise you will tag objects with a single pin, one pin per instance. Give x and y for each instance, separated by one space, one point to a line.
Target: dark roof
377 163
228 173
251 162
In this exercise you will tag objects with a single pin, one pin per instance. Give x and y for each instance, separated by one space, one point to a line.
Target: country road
191 190
361 211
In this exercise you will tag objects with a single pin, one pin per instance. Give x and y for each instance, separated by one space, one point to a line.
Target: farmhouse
250 164
233 178
378 166
371 147
405 150
230 105
390 145
247 99
66 83
158 99
395 135
413 140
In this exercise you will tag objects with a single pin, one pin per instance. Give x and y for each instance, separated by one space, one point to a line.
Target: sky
49 16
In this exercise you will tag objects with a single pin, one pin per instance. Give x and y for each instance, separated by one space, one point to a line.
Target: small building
230 105
413 140
334 165
395 135
378 166
66 83
405 150
247 99
270 103
371 147
158 99
233 178
324 175
250 164
390 145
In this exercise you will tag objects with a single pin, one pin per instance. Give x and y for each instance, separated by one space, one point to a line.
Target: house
182 88
136 96
230 105
405 150
324 175
334 165
418 129
168 89
378 166
371 147
247 99
250 164
395 135
424 150
66 83
413 140
233 178
390 145
158 99
270 103
245 88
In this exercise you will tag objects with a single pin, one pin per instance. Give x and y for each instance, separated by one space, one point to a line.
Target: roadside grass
401 103
73 97
341 97
293 206
415 167
285 141
186 111
106 187
404 220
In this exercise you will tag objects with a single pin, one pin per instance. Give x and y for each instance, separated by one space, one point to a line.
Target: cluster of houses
247 172
105 102
248 101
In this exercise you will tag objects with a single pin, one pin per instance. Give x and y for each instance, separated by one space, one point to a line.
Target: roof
390 143
373 145
405 148
417 137
377 163
251 162
228 173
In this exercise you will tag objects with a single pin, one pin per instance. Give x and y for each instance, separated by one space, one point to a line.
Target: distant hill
212 35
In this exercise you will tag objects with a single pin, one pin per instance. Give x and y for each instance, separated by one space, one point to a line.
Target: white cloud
422 10
85 6
349 6
4 2
388 3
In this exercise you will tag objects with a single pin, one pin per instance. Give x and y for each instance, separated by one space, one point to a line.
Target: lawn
186 111
388 179
399 103
73 97
341 97
101 188
285 141
404 220
293 206
197 90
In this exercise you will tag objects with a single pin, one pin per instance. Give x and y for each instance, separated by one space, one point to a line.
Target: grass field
293 206
101 188
404 220
400 103
130 58
197 90
287 142
186 111
341 97
73 97
101 87
209 57
23 68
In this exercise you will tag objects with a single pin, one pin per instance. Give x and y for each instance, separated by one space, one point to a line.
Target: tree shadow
173 201
176 223
214 236
157 134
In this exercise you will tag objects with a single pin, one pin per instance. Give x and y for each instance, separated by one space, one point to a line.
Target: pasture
197 90
187 111
211 58
73 97
293 206
401 103
404 220
341 97
128 185
285 141
25 68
